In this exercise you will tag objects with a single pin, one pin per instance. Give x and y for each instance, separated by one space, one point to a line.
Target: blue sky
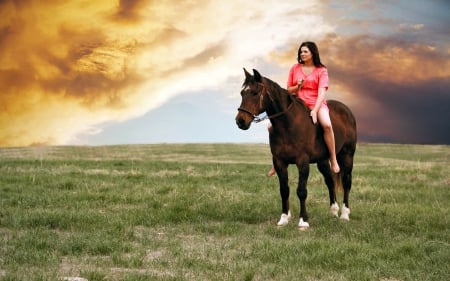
124 72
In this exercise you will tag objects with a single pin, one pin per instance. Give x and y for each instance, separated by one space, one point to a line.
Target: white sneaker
284 220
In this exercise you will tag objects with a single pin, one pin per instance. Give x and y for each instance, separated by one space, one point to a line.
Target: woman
308 79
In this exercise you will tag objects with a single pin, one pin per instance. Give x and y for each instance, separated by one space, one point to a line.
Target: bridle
256 118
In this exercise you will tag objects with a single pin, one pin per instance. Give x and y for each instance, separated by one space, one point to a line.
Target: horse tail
337 179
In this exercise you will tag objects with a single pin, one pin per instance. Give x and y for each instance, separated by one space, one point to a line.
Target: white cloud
247 32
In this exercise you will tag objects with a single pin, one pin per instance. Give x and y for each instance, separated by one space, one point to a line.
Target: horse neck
280 100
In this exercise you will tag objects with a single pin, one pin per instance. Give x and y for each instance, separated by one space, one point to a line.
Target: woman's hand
313 115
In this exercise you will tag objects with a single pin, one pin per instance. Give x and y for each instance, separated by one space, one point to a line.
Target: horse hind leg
345 213
347 185
334 209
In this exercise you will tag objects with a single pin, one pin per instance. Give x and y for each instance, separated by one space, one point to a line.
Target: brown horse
294 139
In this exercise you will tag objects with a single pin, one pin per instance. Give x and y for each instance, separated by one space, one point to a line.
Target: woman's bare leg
324 119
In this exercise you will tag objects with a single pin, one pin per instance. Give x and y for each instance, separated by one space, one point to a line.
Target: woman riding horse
308 79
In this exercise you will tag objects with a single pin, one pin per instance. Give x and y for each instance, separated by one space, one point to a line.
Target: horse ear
258 77
247 74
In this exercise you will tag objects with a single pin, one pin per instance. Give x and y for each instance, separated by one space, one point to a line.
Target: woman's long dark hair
312 47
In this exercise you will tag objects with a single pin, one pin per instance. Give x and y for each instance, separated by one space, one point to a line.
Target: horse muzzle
242 122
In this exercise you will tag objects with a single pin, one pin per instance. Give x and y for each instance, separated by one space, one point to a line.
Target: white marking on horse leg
284 220
303 225
334 209
345 213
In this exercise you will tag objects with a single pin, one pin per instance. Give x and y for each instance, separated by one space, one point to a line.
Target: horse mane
275 87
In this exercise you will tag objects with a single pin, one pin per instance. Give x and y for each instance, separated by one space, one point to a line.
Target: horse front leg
325 170
302 193
347 185
283 179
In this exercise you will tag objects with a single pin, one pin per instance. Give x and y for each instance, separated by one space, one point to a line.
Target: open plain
208 212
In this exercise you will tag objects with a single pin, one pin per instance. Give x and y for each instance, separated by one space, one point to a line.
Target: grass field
208 212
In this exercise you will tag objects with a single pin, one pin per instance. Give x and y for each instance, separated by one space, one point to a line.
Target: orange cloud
59 71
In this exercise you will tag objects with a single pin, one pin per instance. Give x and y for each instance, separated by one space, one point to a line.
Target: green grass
208 212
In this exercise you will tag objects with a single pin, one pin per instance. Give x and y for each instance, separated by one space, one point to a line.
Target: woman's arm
293 86
294 89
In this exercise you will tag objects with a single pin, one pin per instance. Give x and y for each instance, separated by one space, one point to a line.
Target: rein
256 118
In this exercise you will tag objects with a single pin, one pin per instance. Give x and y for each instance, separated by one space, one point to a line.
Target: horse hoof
345 217
345 213
284 220
334 209
303 225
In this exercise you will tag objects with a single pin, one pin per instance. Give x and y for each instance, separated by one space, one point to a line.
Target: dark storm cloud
402 113
422 111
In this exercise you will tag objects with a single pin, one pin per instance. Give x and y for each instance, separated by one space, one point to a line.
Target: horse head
252 95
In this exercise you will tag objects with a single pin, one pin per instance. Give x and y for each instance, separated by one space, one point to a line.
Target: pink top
309 91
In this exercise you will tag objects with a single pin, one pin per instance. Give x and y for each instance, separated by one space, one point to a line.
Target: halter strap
258 119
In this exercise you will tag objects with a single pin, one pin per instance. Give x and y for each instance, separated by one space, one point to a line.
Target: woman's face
305 54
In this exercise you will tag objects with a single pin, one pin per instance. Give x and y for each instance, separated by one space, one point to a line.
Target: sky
104 72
